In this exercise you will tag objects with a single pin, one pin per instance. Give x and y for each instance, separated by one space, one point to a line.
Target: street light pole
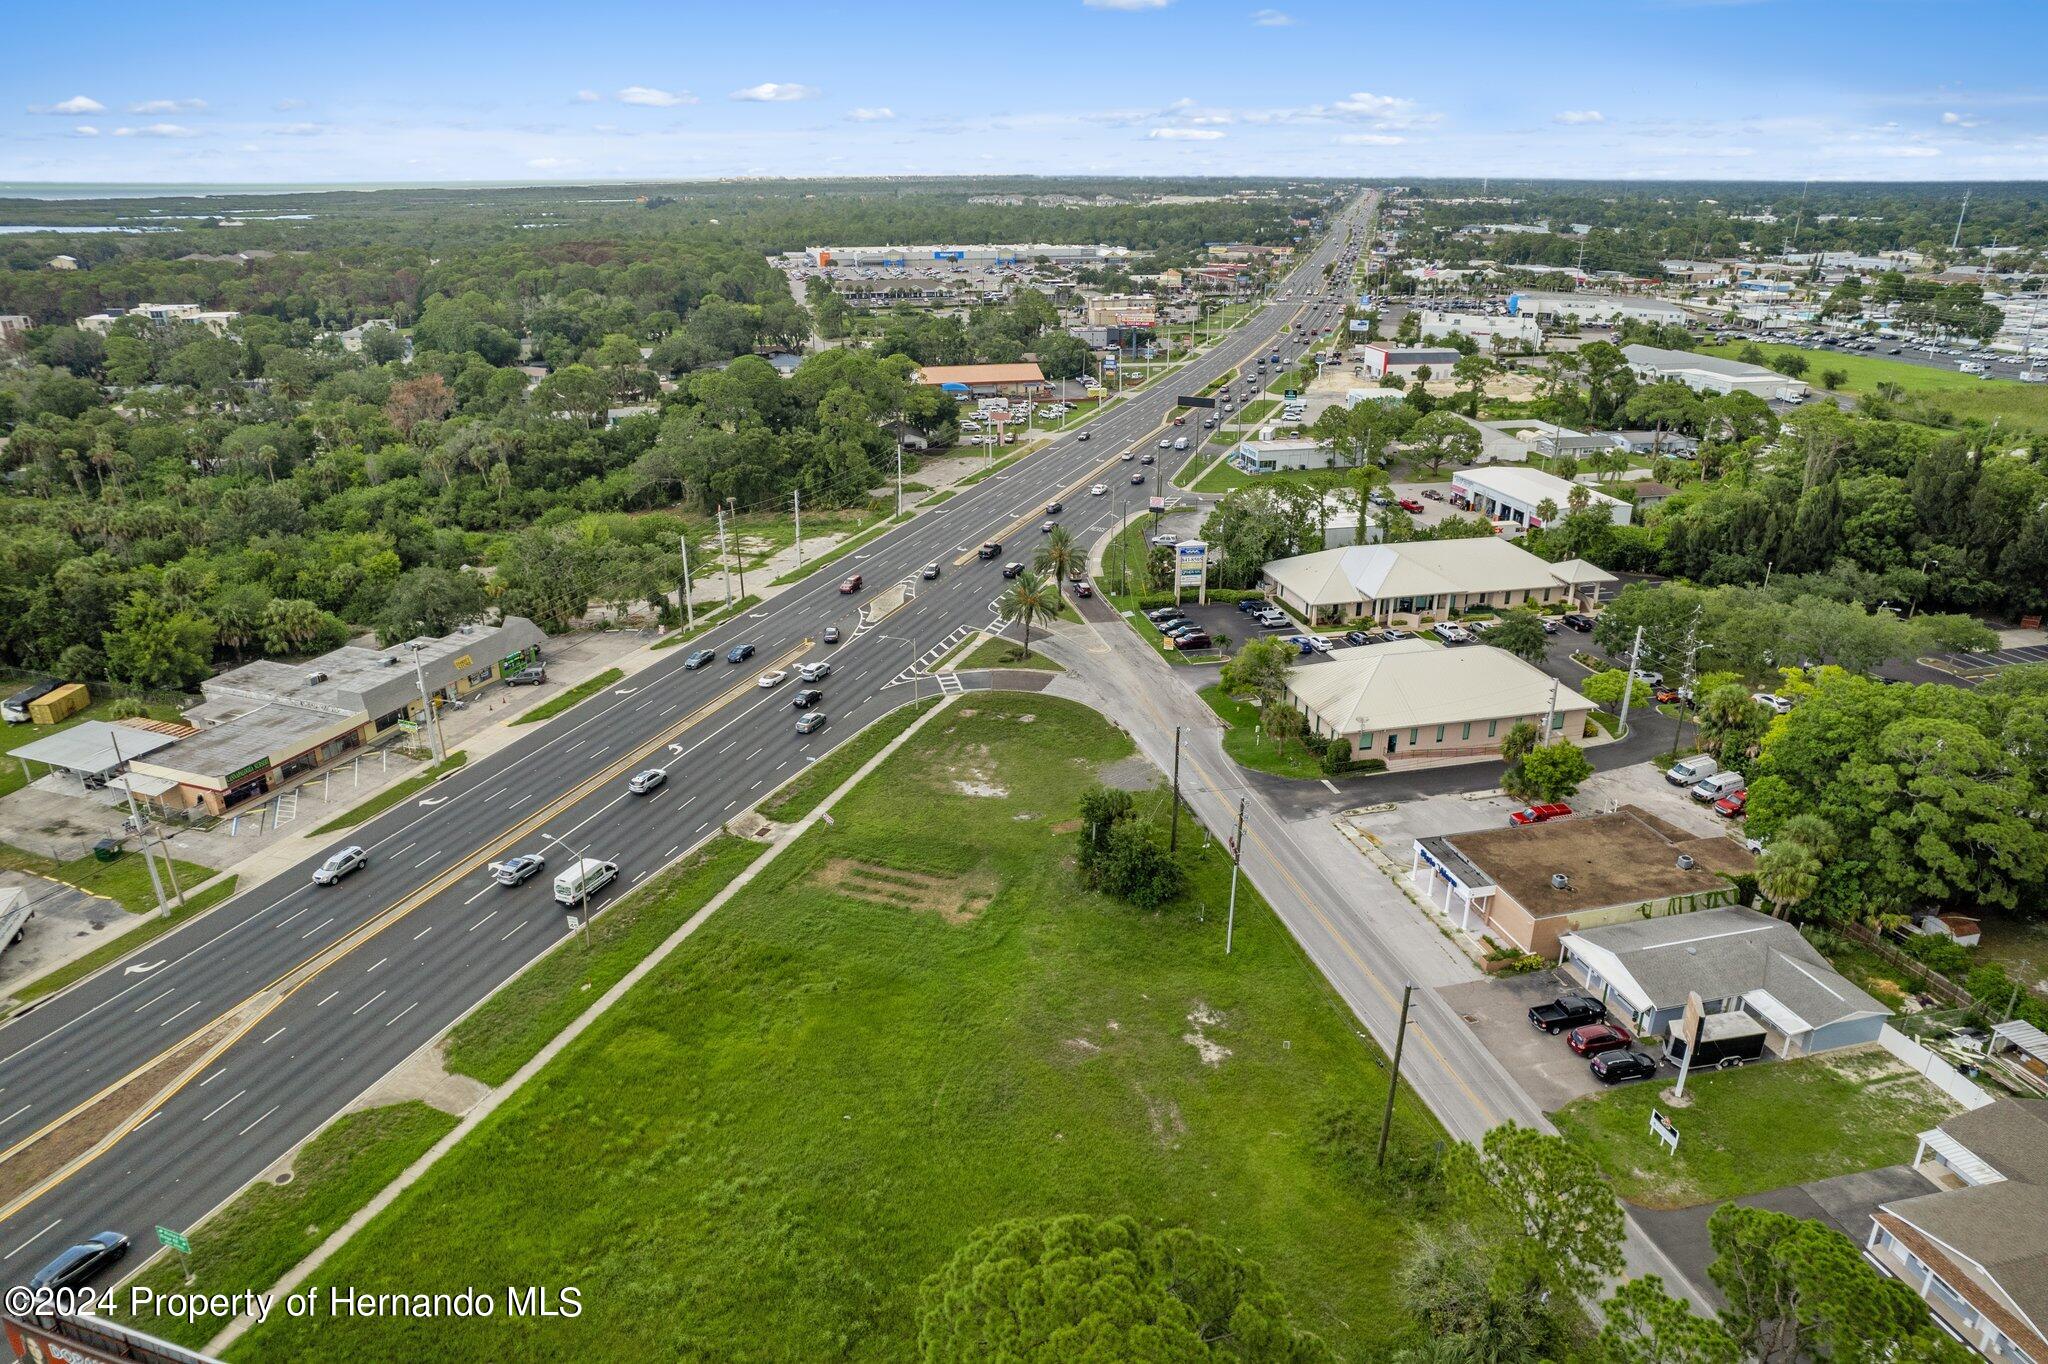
162 908
689 607
1173 837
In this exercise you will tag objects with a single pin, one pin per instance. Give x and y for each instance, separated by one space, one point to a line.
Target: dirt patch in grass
955 899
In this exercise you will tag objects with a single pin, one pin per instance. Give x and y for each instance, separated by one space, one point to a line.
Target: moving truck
584 880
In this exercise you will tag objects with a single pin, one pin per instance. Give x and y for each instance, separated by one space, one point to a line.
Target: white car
352 858
1098 490
774 679
646 781
1780 704
813 672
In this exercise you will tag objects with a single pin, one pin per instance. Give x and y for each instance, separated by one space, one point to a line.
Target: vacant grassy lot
914 1024
125 880
582 691
1248 748
269 1228
1760 1127
1927 389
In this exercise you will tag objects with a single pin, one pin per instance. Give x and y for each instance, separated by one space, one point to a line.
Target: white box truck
583 880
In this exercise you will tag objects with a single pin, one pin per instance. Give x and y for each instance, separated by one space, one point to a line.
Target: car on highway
805 699
929 571
774 679
810 721
739 653
647 780
989 549
1098 490
850 583
1013 569
1595 1038
513 870
1046 527
1180 421
1084 435
1055 507
352 858
1540 814
831 634
698 658
1147 459
75 1264
1565 1013
1128 456
814 672
1166 442
1618 1066
1137 478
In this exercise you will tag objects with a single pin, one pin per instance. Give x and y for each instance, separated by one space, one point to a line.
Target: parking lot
1989 661
1497 1010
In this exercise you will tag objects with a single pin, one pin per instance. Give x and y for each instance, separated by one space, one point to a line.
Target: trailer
59 704
1727 1040
15 912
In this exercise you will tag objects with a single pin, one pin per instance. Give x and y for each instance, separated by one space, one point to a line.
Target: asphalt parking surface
1497 1010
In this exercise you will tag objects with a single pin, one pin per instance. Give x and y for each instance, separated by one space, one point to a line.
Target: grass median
1002 653
249 1244
582 691
915 1023
394 794
706 621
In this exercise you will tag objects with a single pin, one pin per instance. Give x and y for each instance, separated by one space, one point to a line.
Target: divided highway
336 985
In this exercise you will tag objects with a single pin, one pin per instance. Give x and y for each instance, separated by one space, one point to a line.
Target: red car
1539 814
1595 1038
1411 504
1083 591
1732 804
850 584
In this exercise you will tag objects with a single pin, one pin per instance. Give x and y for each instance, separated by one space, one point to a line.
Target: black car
1566 1012
739 653
1614 1067
989 549
1055 507
1013 569
698 658
1578 620
1358 637
1137 478
79 1263
804 700
1250 604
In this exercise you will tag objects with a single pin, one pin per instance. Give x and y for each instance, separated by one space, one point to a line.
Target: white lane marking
403 1012
368 1002
16 1113
481 922
729 804
273 1036
211 1078
664 714
602 751
330 994
672 852
701 827
521 801
423 933
495 794
153 999
30 1241
428 858
316 928
182 1012
406 849
252 1126
224 1103
685 805
479 895
509 932
755 754
379 962
573 747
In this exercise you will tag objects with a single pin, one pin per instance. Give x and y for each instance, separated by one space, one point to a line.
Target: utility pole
1550 716
1628 687
1956 241
1690 678
1173 838
796 503
724 564
899 473
689 607
1394 1078
739 560
1123 550
163 909
433 717
1236 860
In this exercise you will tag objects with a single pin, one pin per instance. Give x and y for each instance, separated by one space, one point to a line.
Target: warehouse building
1615 868
1400 583
987 381
902 257
1513 494
1712 373
1486 330
1286 454
266 723
1410 700
1597 309
1403 362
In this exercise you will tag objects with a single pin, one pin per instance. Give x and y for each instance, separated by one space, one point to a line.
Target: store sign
1190 563
1664 1130
463 662
241 772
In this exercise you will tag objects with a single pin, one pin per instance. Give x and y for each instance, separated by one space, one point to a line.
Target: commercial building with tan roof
987 381
1401 583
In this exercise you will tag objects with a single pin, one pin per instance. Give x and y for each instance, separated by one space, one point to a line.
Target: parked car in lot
698 658
1665 696
1732 804
1781 705
1357 637
1578 620
1393 632
646 781
1615 1067
805 699
1565 1013
1595 1038
513 870
1410 504
810 721
814 672
850 583
352 858
739 653
1723 783
1540 814
1691 771
528 677
76 1264
1197 638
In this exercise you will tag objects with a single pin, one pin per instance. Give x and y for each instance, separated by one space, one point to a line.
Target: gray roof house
1977 1247
1735 959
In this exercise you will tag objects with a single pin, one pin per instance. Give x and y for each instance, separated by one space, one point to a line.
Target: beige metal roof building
1424 577
1411 699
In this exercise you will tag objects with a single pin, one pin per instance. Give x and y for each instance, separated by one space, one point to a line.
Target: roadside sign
1193 400
176 1240
574 923
1664 1130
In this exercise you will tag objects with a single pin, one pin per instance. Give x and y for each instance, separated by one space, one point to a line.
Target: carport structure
91 753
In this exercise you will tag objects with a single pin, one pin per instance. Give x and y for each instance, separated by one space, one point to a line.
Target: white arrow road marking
624 691
142 968
433 801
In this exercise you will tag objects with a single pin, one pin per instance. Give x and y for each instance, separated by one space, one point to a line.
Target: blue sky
451 90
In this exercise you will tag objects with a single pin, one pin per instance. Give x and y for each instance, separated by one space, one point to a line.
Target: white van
1719 785
1180 442
1692 771
586 878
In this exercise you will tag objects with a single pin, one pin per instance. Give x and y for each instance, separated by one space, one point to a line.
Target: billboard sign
1190 563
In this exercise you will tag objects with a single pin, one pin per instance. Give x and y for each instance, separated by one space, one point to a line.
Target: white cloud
1580 116
167 106
880 114
77 104
1371 140
1955 120
550 162
649 97
1129 6
285 106
588 97
156 130
85 130
299 129
1184 134
1272 18
775 92
1363 104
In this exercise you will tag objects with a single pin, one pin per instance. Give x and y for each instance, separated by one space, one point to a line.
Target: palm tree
1029 598
1789 874
1058 556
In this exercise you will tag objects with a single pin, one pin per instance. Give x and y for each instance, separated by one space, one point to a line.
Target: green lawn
1221 478
522 1017
711 619
844 547
125 880
808 790
892 1039
1248 748
12 778
1756 1128
145 928
393 794
1001 653
249 1244
1927 389
582 691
